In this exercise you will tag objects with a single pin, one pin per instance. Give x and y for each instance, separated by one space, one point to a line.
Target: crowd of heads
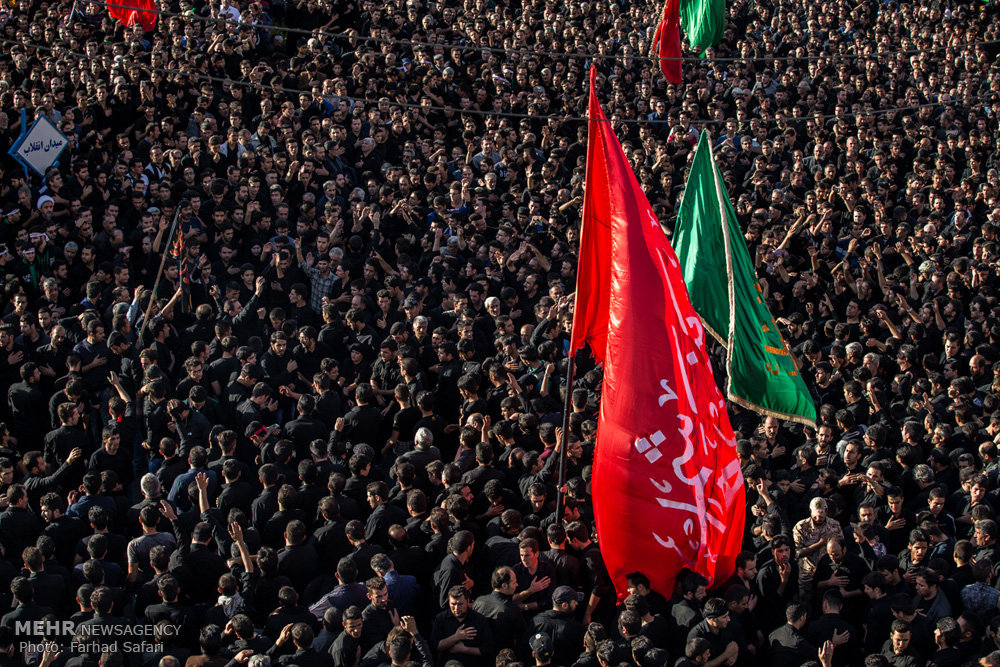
284 331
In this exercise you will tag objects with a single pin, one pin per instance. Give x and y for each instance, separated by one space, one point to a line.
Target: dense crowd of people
329 433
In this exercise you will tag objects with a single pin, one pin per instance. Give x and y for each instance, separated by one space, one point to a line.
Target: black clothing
451 572
196 567
445 625
565 632
379 522
505 616
377 624
790 647
18 529
718 642
908 658
300 563
362 424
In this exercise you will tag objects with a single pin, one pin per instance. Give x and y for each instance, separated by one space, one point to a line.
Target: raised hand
826 654
167 511
201 480
409 624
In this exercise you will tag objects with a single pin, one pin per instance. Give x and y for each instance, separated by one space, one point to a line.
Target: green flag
724 290
703 22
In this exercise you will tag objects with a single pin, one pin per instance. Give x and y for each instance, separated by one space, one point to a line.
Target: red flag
177 251
668 490
667 41
130 12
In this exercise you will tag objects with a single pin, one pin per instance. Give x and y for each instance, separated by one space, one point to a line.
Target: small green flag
703 22
723 285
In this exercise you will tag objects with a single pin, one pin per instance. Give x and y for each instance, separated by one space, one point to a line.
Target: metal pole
564 442
24 131
159 274
181 251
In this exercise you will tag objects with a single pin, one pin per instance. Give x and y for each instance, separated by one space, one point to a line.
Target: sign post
39 147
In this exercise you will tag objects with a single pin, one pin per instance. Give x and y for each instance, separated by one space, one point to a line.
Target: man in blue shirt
198 460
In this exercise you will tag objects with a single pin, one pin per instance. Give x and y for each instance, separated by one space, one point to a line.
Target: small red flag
667 42
668 490
177 251
130 12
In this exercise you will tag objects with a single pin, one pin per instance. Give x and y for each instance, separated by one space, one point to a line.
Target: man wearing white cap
46 206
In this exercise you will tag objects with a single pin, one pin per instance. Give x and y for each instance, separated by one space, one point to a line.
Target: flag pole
159 274
564 441
181 251
573 346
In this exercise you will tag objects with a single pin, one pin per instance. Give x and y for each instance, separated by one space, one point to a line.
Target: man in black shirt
898 650
384 514
27 609
380 616
298 560
596 581
28 407
461 633
385 371
535 579
192 427
654 626
61 441
304 655
697 653
878 614
638 584
266 504
362 551
19 527
499 607
831 627
112 457
196 566
64 530
685 612
841 570
947 635
363 423
777 581
788 645
38 482
346 649
306 427
559 624
450 370
716 630
454 569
